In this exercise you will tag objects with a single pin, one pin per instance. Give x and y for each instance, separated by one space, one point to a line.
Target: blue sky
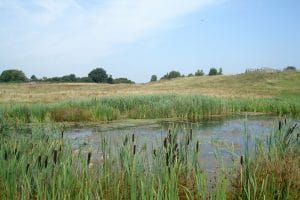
138 38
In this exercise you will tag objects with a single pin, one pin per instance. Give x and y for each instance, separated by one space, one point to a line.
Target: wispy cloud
69 28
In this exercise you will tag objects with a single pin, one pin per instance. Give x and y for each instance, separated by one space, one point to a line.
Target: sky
138 38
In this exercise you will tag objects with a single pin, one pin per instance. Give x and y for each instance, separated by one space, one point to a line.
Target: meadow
37 162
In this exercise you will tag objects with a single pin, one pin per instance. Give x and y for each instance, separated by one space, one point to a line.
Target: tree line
97 75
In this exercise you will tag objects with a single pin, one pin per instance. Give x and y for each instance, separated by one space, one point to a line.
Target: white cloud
65 29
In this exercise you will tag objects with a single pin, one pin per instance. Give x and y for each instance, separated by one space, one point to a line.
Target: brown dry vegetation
242 85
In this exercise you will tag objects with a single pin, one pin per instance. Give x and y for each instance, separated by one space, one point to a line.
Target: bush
171 74
213 71
199 73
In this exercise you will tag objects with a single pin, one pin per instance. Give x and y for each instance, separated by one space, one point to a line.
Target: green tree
110 80
153 78
98 75
290 68
171 74
220 71
190 75
13 75
33 78
199 73
213 71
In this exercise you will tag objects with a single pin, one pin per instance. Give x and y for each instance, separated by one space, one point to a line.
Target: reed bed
188 108
41 164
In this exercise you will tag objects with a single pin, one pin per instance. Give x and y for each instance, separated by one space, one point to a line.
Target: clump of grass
272 171
70 115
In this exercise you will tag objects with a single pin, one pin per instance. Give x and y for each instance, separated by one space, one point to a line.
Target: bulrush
134 149
46 162
197 146
279 126
125 140
55 156
242 160
39 161
27 167
89 158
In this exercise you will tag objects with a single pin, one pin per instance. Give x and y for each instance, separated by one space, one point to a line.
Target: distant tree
98 75
171 74
13 75
123 80
85 80
190 75
153 78
68 78
110 80
33 78
199 73
290 68
213 71
220 72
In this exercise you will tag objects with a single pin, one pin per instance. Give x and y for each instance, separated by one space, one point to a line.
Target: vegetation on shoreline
42 165
189 108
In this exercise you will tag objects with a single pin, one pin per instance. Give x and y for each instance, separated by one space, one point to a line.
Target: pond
219 139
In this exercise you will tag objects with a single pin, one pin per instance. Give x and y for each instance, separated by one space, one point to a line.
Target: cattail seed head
242 160
89 158
154 152
165 143
46 162
62 134
134 149
40 161
125 140
191 134
133 137
55 156
27 167
197 146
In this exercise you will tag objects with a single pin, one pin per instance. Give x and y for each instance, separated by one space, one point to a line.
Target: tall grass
190 108
42 165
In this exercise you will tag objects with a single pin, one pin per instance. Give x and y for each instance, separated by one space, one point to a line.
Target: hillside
242 85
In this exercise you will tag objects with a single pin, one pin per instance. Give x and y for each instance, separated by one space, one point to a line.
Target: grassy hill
283 84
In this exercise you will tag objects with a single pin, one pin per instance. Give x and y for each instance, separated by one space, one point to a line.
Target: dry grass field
242 85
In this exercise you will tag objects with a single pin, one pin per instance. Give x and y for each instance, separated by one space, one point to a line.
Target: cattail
197 146
165 143
167 159
126 140
16 150
134 149
62 134
27 167
5 155
279 127
191 134
55 156
284 121
188 141
242 160
60 148
132 138
154 152
40 161
46 162
89 158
